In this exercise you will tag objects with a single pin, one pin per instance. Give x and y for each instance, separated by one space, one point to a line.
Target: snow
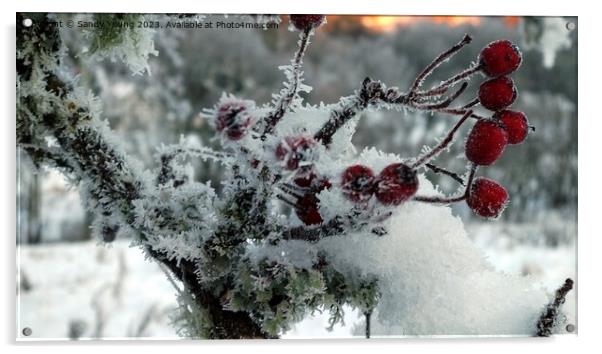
434 280
68 278
65 278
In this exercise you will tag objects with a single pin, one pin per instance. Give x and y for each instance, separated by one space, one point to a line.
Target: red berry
515 124
396 183
498 93
306 22
500 58
307 208
296 150
486 142
309 179
304 179
487 198
357 183
232 119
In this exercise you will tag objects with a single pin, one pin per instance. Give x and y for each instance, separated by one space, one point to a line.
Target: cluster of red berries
489 137
398 182
395 184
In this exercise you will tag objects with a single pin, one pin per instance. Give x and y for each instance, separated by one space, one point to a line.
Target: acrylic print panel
267 176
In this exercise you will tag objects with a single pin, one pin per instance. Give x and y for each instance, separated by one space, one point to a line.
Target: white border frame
589 200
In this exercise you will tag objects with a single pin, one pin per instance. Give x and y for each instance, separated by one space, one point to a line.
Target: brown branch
437 169
314 234
272 119
440 59
549 317
449 200
449 82
443 144
445 103
371 92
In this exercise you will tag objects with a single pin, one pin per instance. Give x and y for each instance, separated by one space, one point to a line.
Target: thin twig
444 103
437 169
283 104
449 200
442 145
440 59
440 200
449 82
549 317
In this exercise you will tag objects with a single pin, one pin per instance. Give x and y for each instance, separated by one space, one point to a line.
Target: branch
437 169
451 81
449 200
442 145
371 92
292 90
549 317
438 61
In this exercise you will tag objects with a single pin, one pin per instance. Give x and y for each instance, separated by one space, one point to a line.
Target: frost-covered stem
371 92
549 317
112 185
226 324
374 93
440 200
314 234
284 102
449 200
442 145
438 61
471 104
437 169
458 112
166 159
451 81
444 103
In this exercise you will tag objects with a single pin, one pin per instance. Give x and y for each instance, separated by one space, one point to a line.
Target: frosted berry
306 22
486 142
309 179
307 209
357 183
515 124
296 150
396 183
497 94
487 198
232 118
500 58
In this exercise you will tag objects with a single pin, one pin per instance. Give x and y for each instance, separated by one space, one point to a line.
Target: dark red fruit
307 208
306 22
497 94
396 183
232 119
487 198
515 124
500 58
486 142
296 150
309 179
357 183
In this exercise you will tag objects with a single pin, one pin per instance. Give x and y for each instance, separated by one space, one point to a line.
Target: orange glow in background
391 23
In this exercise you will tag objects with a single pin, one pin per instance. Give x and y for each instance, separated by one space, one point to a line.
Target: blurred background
70 287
